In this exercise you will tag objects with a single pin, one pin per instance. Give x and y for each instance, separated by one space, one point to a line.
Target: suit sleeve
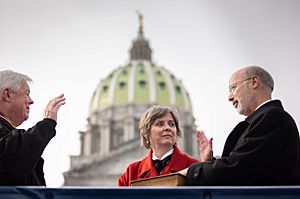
20 149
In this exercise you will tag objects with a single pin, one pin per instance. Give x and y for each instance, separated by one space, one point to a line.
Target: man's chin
239 111
26 117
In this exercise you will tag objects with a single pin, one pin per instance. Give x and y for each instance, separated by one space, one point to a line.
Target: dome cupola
140 48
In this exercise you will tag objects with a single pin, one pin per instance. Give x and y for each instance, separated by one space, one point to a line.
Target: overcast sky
68 46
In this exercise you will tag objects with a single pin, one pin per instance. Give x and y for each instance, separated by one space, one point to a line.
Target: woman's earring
148 143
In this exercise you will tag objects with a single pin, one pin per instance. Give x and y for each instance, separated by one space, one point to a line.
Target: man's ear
6 95
255 82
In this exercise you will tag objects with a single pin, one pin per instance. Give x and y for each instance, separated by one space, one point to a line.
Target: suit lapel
234 137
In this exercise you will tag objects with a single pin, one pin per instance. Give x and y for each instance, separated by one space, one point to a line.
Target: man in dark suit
21 150
264 149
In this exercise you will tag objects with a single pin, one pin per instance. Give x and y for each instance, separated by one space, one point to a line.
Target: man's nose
31 101
230 96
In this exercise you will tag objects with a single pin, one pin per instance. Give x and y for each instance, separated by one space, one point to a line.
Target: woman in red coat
159 131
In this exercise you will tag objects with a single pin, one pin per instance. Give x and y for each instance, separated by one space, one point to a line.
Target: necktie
160 164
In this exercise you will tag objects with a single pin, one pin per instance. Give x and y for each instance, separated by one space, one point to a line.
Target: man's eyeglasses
232 87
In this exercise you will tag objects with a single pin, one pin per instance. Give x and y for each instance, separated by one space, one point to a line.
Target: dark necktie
160 164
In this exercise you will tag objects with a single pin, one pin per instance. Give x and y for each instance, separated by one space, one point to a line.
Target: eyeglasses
232 87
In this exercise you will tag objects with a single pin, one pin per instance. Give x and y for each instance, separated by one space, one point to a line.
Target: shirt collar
7 120
263 103
164 156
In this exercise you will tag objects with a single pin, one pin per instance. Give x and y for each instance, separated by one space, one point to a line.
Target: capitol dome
112 140
140 82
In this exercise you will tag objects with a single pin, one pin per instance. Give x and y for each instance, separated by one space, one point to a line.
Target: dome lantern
140 47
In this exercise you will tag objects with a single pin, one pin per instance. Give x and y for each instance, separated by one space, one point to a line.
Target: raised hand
204 146
53 106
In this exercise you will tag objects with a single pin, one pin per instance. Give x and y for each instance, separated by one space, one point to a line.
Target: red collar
146 164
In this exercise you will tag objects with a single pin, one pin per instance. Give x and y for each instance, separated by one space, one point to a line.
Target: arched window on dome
122 84
162 85
178 89
105 88
142 83
142 71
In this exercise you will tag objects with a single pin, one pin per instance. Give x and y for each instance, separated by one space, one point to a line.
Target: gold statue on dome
140 18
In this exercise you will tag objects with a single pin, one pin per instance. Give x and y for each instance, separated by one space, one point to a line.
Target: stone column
105 138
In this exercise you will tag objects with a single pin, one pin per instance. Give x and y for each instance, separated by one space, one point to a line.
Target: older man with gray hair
21 150
264 149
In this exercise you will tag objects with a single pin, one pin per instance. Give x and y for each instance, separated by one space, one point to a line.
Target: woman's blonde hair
150 116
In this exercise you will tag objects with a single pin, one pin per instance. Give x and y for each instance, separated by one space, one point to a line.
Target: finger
199 134
58 102
202 137
56 107
55 104
210 142
57 99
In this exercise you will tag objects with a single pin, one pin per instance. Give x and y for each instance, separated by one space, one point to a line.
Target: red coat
145 169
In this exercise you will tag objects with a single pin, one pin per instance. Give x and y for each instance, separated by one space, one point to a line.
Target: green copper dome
140 82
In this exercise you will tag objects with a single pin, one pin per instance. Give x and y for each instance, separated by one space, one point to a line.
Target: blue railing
282 192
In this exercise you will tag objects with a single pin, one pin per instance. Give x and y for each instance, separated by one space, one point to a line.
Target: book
173 179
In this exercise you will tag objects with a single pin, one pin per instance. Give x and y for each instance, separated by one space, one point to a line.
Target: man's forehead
237 75
25 85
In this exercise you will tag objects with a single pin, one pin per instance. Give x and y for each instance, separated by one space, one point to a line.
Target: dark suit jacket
20 153
145 169
262 150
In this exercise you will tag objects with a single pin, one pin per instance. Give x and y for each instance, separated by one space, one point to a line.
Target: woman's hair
150 116
12 80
